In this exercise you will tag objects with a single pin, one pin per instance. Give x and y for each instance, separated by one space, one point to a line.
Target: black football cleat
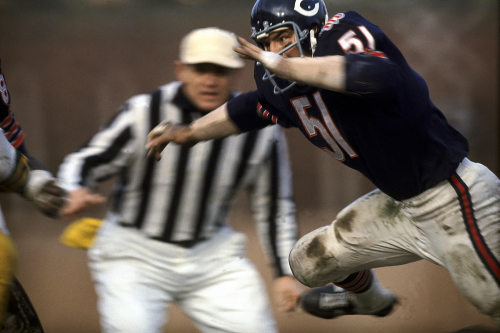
330 301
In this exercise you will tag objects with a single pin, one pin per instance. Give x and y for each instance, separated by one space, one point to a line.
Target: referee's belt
187 244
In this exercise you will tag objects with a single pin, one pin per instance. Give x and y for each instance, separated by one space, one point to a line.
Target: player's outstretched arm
214 125
323 72
43 189
38 186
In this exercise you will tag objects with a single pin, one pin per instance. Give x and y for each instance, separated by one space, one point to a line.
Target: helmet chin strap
313 40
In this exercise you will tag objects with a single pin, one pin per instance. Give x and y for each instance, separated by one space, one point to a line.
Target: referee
166 238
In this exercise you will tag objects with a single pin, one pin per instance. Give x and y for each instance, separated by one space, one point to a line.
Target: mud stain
345 222
391 209
462 262
317 250
449 230
338 235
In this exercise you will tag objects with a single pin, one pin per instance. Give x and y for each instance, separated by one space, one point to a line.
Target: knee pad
310 262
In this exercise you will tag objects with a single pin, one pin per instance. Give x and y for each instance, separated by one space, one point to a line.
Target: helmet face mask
300 36
305 17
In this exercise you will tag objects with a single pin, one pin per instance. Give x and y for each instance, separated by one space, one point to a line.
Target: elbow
367 75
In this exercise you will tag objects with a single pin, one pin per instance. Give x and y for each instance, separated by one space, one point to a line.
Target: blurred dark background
70 64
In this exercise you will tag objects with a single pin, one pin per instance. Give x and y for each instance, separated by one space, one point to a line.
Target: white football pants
459 232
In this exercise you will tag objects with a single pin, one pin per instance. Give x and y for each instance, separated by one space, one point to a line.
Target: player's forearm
323 72
214 125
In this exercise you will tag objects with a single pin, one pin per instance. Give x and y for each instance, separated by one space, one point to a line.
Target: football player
19 173
351 92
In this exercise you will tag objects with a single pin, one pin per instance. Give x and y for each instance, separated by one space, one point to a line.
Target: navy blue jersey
386 127
8 123
12 130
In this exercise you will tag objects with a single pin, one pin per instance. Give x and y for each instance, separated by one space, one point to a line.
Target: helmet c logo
298 8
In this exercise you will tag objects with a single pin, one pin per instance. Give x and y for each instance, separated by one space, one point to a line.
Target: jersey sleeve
349 32
243 111
13 132
272 202
370 72
14 169
370 76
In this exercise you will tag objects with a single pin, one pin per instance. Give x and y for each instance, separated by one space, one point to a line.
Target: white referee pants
214 283
376 231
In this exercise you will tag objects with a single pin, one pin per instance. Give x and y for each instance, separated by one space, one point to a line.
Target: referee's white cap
210 45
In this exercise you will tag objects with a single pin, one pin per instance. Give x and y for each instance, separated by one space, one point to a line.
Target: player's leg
228 295
20 315
130 300
462 222
7 267
371 232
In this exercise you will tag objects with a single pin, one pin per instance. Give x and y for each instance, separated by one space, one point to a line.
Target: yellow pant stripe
17 180
8 260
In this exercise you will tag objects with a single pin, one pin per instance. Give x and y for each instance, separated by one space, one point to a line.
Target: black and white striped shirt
187 194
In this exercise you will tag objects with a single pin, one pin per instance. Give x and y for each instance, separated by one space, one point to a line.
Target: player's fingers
157 140
151 145
245 57
157 131
158 155
52 206
53 189
152 153
246 54
155 147
247 50
243 42
254 48
160 128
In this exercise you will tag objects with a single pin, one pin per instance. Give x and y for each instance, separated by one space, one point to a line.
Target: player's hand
51 199
250 51
45 193
158 140
287 291
80 199
247 50
164 133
